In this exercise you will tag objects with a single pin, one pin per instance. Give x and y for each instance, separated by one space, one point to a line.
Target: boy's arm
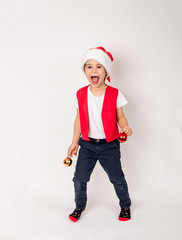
73 148
122 122
77 129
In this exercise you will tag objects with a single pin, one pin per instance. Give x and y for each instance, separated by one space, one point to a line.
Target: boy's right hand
72 150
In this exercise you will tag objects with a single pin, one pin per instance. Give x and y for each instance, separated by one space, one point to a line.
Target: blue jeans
108 154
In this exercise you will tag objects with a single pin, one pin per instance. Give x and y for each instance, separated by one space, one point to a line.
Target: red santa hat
100 55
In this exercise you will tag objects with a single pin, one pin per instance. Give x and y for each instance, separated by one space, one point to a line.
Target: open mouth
95 79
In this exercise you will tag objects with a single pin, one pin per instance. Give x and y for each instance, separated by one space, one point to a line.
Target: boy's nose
94 69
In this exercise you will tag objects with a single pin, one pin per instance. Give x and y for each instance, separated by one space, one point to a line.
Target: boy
99 112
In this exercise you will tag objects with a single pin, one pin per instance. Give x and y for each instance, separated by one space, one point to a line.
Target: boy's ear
105 77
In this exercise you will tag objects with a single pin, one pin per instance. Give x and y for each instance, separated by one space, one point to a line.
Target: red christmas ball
122 137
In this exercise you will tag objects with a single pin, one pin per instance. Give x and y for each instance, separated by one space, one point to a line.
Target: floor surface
150 220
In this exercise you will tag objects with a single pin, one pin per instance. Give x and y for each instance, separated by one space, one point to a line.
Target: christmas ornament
67 161
122 137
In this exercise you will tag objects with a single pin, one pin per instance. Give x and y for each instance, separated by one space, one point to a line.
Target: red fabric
73 219
108 78
123 219
108 113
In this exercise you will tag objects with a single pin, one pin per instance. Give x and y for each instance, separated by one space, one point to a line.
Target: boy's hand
72 150
127 130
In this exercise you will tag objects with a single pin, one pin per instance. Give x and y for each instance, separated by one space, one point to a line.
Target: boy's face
95 73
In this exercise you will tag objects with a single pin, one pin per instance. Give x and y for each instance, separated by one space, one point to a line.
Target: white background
41 45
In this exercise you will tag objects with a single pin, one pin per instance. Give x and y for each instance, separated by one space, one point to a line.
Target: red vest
108 113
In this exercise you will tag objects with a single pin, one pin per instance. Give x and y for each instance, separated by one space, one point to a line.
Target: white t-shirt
96 129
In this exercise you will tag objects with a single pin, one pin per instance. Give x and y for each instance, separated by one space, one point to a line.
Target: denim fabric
108 154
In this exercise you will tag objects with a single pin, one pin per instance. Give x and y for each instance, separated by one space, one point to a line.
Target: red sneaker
125 214
75 215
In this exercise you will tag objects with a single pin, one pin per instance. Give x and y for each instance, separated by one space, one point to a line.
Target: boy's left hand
127 130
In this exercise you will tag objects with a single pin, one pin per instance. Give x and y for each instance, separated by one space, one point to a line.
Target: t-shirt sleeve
74 101
121 100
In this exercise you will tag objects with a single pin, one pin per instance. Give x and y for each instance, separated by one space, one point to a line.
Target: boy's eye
97 66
